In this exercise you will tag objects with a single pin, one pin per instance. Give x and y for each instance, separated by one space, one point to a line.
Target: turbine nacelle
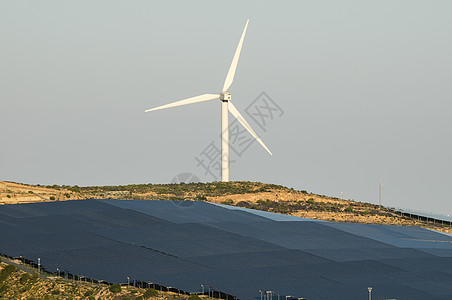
225 96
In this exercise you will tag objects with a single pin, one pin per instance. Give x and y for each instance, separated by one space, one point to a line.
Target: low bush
34 276
348 209
6 271
115 288
24 278
245 204
228 202
150 293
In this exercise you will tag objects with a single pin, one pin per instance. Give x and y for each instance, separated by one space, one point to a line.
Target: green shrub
115 288
55 292
349 209
30 192
34 276
311 201
67 195
150 293
9 196
52 198
25 277
25 288
245 204
6 271
89 293
3 288
194 297
228 202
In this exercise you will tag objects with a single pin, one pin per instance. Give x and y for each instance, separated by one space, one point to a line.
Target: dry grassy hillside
13 193
253 195
17 284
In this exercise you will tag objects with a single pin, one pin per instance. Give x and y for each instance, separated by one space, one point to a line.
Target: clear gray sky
364 86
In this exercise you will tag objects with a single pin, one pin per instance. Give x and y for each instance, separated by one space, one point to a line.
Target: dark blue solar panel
259 259
266 214
420 265
301 235
185 240
437 252
354 254
186 211
413 237
52 208
186 244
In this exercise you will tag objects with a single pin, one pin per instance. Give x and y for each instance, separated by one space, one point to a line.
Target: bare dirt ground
15 193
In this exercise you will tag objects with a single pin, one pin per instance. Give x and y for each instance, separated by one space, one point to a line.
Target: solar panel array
234 250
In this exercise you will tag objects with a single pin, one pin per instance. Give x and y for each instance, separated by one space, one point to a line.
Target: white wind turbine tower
226 106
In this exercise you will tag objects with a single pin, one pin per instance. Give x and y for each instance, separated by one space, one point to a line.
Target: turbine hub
225 96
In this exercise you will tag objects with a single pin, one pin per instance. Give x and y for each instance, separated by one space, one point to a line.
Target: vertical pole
379 193
224 141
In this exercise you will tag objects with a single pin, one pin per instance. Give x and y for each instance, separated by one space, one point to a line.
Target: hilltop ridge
253 195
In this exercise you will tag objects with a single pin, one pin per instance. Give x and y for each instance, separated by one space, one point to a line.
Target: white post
224 141
379 193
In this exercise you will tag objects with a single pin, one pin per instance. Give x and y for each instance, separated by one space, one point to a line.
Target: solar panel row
238 251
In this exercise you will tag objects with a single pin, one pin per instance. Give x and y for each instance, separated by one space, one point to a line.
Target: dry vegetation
268 197
17 284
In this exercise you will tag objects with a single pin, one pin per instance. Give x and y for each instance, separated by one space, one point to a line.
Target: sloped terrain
255 195
232 250
15 283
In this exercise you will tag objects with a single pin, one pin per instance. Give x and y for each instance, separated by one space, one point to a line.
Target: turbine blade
235 60
200 98
245 124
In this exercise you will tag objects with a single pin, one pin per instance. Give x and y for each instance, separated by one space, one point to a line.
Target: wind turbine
226 107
